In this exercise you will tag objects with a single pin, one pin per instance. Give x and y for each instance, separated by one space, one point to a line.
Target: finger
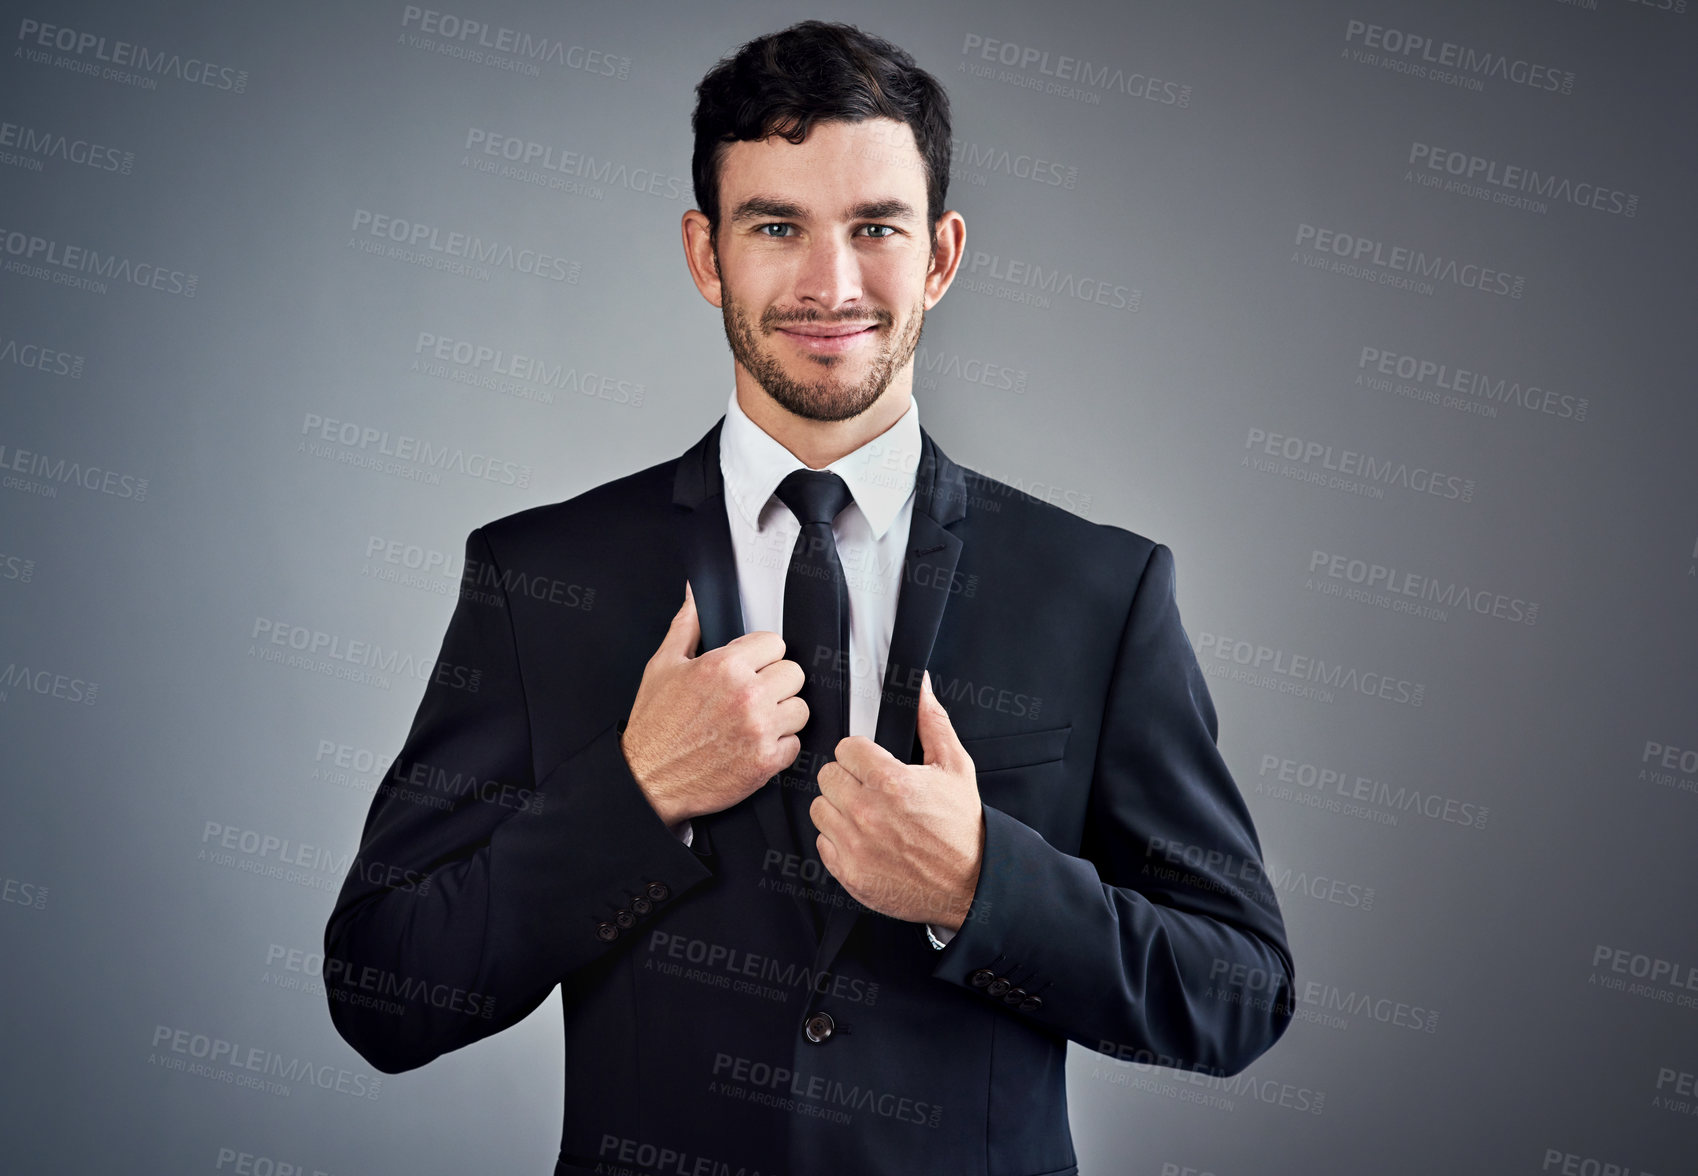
860 755
684 634
781 679
829 857
938 741
825 817
757 650
835 782
789 746
792 716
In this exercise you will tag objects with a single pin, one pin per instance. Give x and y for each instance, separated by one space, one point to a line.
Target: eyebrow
777 208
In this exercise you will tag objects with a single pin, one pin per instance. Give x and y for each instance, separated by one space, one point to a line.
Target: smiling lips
829 337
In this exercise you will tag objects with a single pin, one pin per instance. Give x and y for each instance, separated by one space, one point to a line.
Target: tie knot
814 496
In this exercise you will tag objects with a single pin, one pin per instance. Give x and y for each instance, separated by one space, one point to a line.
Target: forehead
839 165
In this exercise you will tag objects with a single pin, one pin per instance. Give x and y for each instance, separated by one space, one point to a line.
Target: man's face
823 249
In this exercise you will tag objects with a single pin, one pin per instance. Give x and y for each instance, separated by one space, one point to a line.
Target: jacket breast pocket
1020 773
996 753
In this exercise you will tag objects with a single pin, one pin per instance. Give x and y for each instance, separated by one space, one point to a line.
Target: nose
830 275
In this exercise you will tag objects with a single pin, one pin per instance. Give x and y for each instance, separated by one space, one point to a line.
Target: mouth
829 338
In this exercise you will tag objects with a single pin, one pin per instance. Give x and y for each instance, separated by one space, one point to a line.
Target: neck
819 443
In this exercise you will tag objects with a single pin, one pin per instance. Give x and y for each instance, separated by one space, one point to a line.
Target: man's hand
904 839
707 731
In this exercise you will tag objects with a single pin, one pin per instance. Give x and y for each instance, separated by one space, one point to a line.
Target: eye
761 230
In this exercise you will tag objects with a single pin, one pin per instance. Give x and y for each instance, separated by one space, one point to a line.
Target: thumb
937 734
685 632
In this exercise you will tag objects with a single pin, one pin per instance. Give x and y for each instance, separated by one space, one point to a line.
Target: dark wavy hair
784 82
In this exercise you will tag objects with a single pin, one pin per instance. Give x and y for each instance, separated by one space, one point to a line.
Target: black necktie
816 635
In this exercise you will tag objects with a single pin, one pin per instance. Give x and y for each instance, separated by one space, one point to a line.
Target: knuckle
856 809
875 819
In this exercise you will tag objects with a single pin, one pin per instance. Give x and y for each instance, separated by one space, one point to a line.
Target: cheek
898 286
895 278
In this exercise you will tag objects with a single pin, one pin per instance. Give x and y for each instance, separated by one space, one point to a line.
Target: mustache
772 320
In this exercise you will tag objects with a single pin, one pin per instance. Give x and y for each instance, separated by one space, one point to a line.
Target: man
804 917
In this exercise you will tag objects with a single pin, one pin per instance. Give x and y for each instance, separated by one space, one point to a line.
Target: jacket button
641 905
997 987
818 1027
981 978
658 891
1014 996
1031 1004
606 932
625 919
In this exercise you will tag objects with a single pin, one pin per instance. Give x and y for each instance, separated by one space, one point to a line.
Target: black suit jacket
1120 902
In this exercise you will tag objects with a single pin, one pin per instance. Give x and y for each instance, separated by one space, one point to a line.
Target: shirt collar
880 474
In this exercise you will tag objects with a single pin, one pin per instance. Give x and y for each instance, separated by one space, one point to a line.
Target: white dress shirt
871 535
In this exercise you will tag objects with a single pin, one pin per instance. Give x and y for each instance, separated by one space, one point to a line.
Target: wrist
667 813
671 815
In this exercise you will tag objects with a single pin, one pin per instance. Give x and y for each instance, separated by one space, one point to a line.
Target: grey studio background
1379 314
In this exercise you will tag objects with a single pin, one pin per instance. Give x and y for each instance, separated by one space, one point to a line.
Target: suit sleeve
478 887
1163 943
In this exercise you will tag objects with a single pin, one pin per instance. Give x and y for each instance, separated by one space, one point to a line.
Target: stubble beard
828 398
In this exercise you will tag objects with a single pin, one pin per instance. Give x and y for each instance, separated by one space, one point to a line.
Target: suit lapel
704 538
928 569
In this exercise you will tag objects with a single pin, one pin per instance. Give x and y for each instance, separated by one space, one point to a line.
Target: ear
702 255
949 243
